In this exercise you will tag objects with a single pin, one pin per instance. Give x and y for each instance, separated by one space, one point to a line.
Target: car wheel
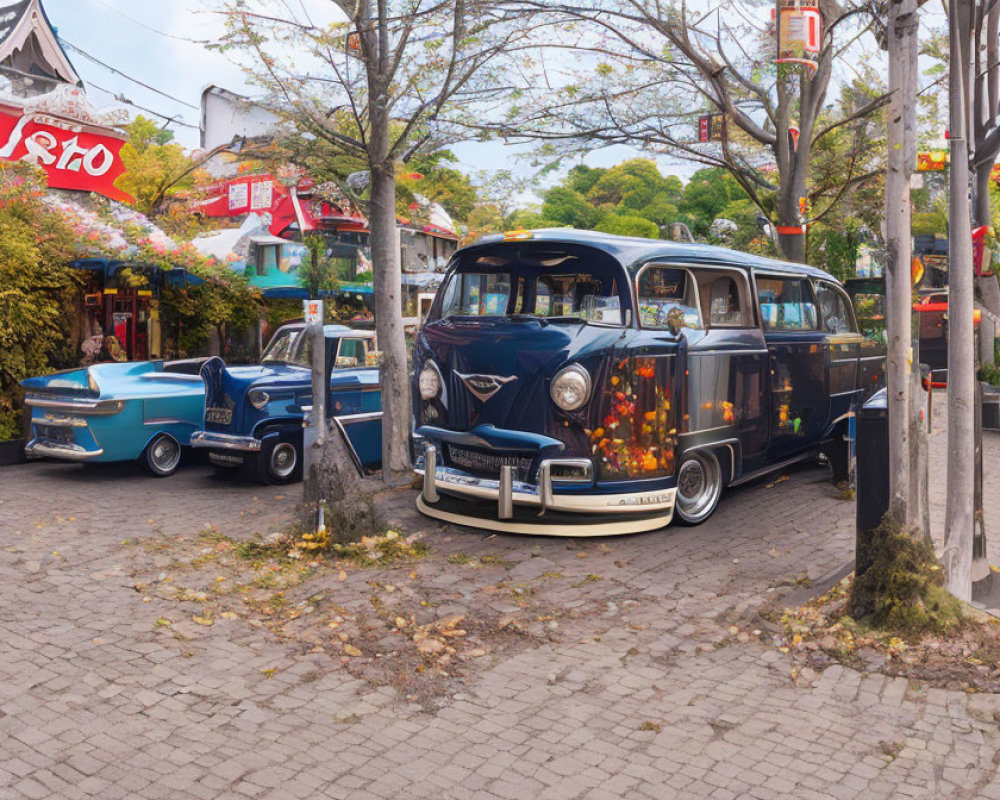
699 487
282 462
162 455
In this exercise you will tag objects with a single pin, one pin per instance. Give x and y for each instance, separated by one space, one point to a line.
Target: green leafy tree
629 226
582 178
568 207
318 273
439 183
156 166
391 80
37 289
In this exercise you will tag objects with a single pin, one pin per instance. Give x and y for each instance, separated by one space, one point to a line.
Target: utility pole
902 141
957 556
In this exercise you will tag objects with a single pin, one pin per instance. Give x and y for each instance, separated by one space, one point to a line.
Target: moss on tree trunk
903 589
333 479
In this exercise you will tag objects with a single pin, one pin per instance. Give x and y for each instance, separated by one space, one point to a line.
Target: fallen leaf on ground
430 647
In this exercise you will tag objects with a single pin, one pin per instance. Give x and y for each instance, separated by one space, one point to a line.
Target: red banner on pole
75 155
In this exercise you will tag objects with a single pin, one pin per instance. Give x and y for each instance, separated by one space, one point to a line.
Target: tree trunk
388 302
793 245
332 481
902 155
959 523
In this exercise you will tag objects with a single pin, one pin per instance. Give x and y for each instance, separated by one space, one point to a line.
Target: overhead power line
136 81
123 99
142 24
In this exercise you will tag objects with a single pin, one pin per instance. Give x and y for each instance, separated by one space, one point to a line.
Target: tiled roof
9 17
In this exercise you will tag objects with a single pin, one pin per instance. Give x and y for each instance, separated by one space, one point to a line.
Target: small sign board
313 311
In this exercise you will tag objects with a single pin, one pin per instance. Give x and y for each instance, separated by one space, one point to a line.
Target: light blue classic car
149 410
144 410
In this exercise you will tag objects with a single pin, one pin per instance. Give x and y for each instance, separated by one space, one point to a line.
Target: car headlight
570 388
257 398
429 382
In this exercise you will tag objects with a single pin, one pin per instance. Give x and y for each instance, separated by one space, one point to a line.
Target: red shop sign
74 155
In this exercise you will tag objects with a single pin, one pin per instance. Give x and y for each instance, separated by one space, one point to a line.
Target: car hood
497 371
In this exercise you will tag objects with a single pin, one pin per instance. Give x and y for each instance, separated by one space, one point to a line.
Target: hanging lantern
799 32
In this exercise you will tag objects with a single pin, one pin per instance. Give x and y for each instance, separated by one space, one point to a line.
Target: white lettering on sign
40 146
43 147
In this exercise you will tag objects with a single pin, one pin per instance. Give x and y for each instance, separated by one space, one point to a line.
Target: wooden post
959 525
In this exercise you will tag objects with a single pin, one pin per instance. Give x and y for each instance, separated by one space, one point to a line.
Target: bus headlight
570 388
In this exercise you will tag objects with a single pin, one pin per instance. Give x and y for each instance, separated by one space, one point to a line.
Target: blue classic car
253 415
577 383
117 412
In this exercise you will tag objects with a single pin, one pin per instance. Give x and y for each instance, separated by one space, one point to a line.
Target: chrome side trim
367 387
732 444
225 441
178 377
76 406
715 353
364 417
166 421
69 452
771 468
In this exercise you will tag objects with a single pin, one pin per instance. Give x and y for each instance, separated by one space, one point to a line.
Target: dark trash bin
872 454
991 407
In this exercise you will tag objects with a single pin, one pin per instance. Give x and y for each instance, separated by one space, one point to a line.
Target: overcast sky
157 43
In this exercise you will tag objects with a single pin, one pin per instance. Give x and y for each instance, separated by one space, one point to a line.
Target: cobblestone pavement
640 696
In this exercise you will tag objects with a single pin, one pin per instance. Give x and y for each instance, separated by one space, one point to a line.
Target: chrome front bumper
67 452
506 492
225 441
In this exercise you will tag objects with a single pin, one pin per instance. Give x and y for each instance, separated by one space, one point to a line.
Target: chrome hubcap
698 488
283 460
165 454
691 481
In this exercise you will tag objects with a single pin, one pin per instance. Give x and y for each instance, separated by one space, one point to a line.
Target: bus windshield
570 290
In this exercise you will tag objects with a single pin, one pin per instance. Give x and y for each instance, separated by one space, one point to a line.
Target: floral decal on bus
636 437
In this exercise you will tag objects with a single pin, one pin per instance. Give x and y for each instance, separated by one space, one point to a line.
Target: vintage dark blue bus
576 383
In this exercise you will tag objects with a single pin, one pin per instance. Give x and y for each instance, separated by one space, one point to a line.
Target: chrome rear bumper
68 452
225 441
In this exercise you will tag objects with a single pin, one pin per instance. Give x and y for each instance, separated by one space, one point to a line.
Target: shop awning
299 293
157 277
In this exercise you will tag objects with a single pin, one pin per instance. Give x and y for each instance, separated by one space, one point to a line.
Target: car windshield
545 285
289 346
